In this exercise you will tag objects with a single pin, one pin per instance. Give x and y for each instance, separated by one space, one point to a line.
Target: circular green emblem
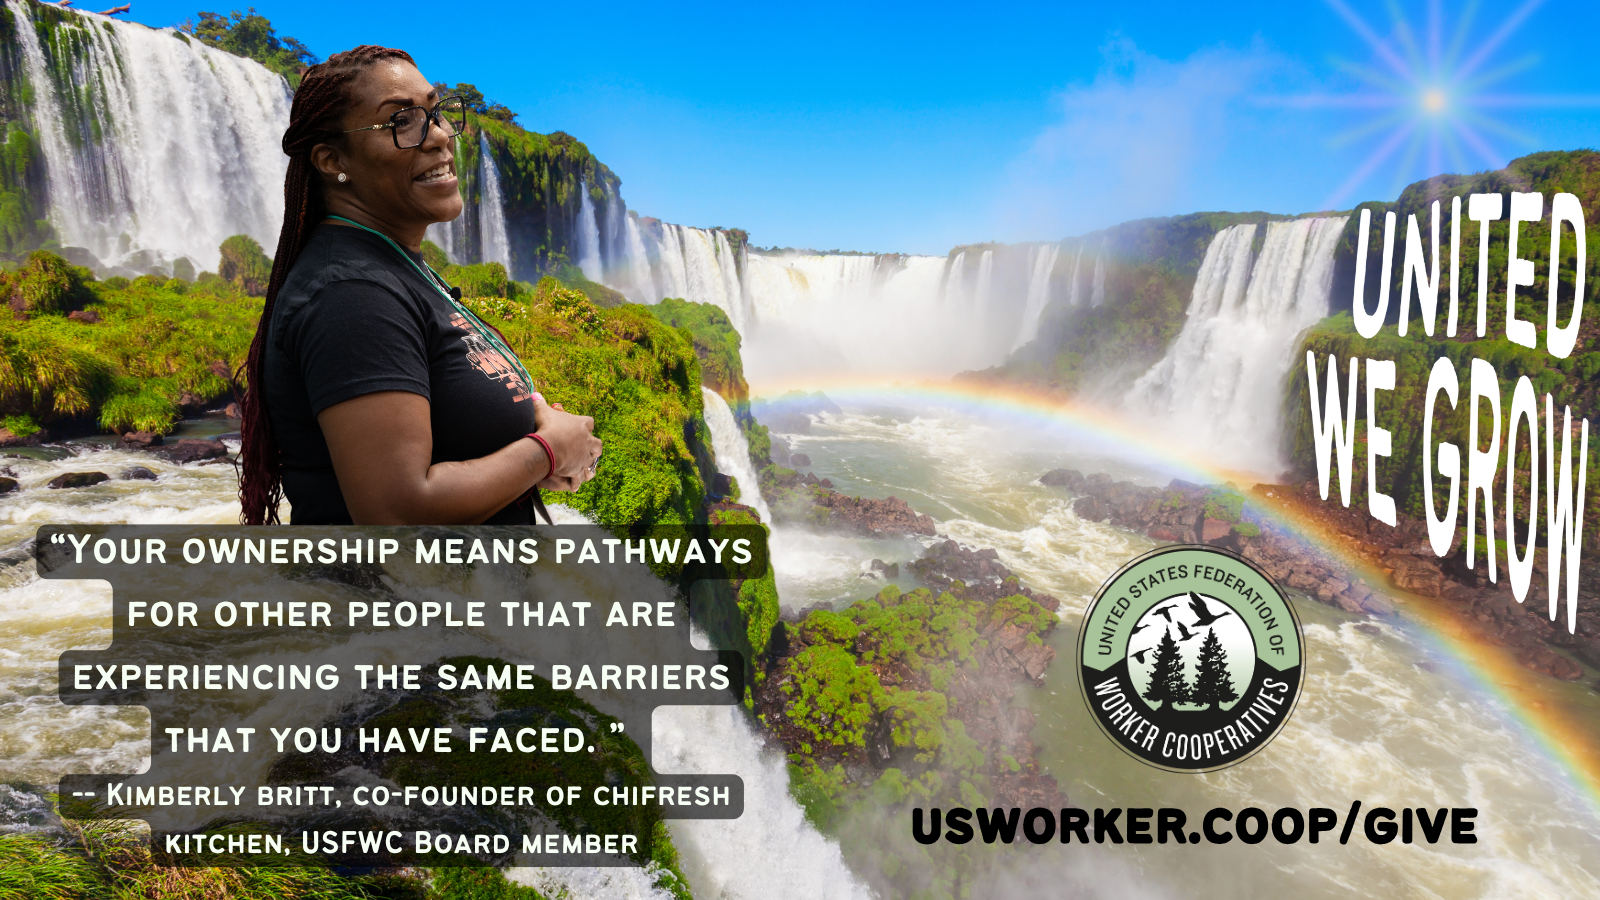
1190 658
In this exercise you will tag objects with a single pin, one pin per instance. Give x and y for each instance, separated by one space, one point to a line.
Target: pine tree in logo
1212 684
1166 681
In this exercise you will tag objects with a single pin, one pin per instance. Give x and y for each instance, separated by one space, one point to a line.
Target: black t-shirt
354 317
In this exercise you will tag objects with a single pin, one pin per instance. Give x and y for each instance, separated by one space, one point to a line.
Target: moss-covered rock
874 687
46 284
900 700
24 216
245 265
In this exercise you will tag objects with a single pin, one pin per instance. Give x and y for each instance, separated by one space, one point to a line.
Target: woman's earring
343 178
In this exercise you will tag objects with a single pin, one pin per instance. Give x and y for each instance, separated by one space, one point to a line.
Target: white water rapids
1385 717
40 739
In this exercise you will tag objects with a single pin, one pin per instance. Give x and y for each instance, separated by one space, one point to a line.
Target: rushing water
1044 262
1384 718
1221 381
155 145
40 738
588 235
492 210
732 451
801 312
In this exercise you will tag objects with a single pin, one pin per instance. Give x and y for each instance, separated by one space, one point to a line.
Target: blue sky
917 127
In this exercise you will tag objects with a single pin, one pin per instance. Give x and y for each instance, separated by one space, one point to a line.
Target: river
1385 718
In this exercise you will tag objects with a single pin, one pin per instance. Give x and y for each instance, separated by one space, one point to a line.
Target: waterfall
637 284
706 255
443 234
155 146
732 286
674 260
804 312
801 313
614 250
733 452
1073 297
954 283
1221 380
491 209
769 852
793 286
663 260
1044 263
983 290
1098 298
588 236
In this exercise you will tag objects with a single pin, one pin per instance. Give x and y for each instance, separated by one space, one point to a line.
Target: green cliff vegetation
250 35
740 615
110 861
136 354
895 702
641 382
476 103
540 178
890 661
716 343
1573 381
598 294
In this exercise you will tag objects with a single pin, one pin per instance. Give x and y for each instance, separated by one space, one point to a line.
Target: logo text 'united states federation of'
1190 658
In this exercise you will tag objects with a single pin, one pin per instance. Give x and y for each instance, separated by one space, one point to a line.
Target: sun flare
1430 99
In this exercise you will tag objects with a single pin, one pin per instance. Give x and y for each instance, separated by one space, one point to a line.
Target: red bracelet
549 454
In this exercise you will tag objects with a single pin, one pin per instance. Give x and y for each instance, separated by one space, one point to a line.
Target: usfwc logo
1190 658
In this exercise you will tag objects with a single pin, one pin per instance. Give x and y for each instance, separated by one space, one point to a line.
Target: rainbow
1569 744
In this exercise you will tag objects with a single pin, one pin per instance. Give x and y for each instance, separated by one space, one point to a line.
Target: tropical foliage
149 348
251 35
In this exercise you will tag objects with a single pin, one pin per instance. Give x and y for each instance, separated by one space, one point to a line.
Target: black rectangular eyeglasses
409 126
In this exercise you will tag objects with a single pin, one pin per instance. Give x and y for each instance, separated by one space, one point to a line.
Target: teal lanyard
487 334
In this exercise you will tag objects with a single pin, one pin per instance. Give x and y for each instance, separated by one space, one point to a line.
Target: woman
374 397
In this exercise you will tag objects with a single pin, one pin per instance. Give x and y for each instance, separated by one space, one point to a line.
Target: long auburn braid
315 118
